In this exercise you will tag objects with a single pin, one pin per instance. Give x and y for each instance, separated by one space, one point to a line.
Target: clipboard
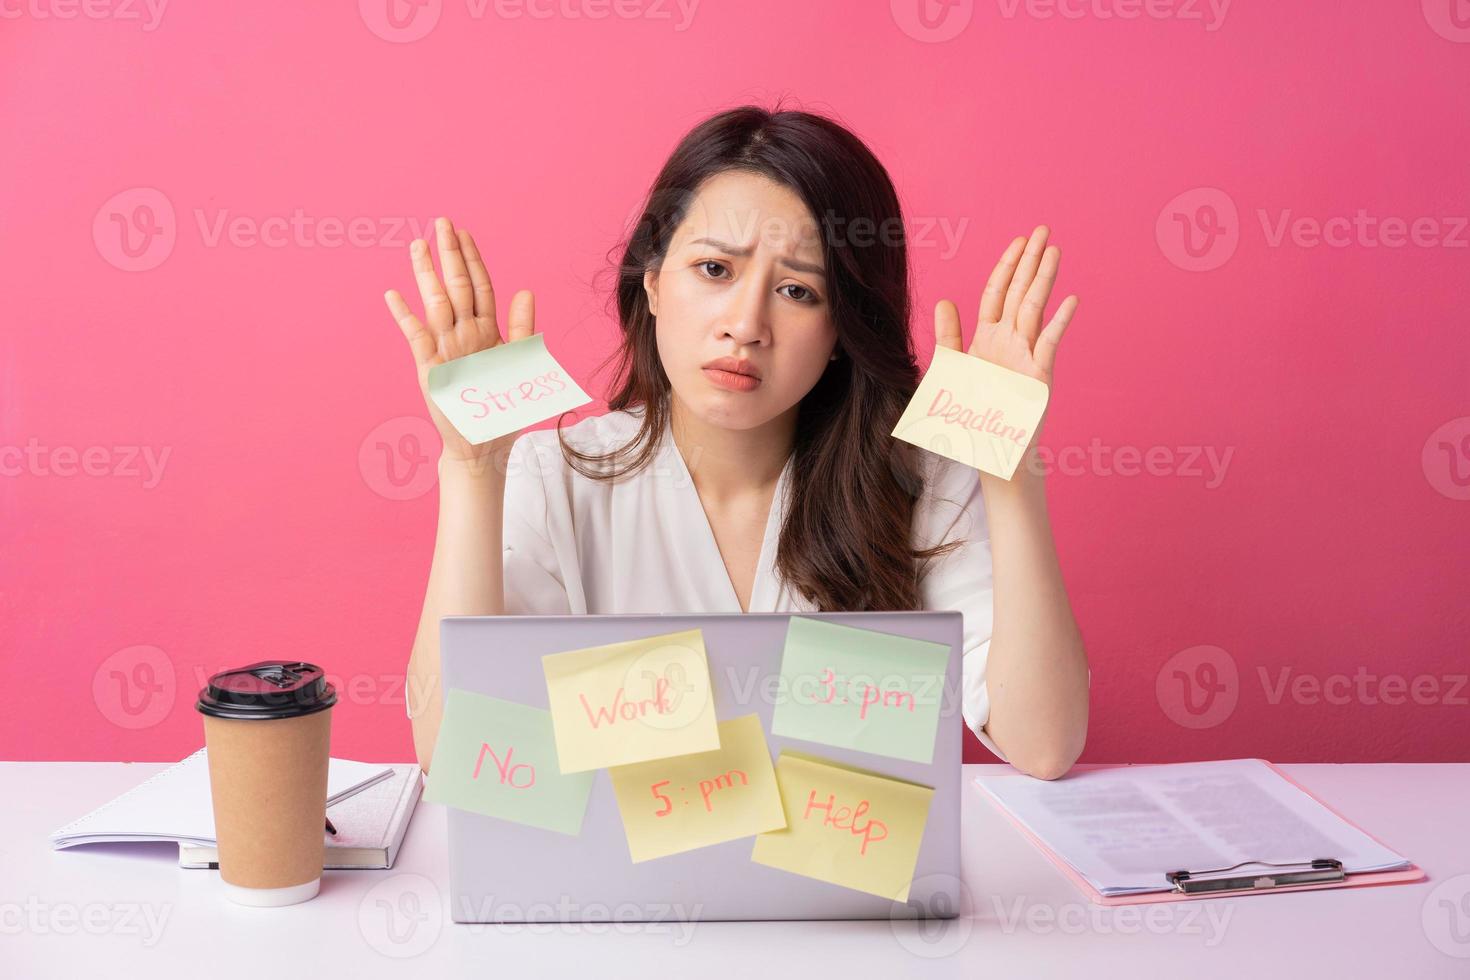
1310 874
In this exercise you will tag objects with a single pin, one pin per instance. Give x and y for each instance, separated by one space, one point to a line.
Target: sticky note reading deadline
975 412
499 758
860 689
674 805
845 825
632 701
503 388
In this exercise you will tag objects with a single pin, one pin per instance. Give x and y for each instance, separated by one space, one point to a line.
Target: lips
734 365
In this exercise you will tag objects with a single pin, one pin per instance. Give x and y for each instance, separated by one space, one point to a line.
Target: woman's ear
650 287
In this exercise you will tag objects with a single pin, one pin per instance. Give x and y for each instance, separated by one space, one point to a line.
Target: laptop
502 871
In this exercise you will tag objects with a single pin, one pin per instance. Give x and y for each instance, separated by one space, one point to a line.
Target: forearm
1037 667
465 579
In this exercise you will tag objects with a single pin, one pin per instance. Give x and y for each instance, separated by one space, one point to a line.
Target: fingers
1025 271
1045 352
483 288
456 277
946 325
522 316
420 341
438 313
992 300
1033 305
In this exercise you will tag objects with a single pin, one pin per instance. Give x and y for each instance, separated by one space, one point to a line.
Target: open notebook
369 804
1116 832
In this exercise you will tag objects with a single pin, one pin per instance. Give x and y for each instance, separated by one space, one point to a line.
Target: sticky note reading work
674 805
975 412
860 689
848 826
499 758
503 388
632 701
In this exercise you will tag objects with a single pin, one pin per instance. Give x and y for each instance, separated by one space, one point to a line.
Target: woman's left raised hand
1011 307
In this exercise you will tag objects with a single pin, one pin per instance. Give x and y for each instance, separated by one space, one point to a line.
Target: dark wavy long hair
846 543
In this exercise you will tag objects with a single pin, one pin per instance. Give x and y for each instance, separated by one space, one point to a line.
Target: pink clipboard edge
1412 873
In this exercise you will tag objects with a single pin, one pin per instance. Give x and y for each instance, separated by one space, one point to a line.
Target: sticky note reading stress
860 689
632 701
846 825
975 412
503 388
499 758
674 805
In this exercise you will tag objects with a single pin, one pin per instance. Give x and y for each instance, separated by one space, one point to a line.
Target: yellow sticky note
975 412
631 702
849 826
674 805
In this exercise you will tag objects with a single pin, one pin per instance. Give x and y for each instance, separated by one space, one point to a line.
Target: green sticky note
499 758
860 689
503 388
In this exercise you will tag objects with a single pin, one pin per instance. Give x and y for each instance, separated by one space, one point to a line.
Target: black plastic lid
268 689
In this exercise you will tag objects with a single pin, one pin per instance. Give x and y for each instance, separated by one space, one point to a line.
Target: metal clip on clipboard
1220 879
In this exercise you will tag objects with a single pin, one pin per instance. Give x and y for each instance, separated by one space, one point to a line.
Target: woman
746 461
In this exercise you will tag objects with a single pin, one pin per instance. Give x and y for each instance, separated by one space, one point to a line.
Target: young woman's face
743 279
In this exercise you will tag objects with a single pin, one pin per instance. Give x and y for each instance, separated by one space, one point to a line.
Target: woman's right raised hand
459 319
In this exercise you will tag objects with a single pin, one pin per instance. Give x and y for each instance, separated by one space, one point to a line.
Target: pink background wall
1261 435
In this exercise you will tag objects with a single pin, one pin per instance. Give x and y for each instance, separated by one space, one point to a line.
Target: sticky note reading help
632 701
975 412
499 758
848 826
674 805
860 689
502 389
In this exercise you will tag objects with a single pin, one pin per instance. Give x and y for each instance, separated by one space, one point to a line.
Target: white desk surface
108 910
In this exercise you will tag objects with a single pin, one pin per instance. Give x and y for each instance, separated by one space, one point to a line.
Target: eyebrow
729 249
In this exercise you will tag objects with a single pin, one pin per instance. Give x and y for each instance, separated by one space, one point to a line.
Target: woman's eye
807 295
703 266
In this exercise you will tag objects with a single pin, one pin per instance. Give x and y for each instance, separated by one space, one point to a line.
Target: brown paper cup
268 781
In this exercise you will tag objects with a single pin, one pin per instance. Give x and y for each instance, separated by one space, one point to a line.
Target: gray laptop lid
507 872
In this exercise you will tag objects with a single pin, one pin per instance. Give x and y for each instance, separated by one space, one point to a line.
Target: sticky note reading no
860 689
499 758
975 412
674 805
632 701
503 388
846 825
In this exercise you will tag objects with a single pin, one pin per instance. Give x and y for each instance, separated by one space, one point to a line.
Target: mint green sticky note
502 389
860 689
499 758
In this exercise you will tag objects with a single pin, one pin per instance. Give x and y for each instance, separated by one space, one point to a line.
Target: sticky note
860 689
503 388
632 701
849 826
499 758
975 412
689 801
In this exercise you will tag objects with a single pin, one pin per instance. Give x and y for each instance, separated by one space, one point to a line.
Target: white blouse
642 543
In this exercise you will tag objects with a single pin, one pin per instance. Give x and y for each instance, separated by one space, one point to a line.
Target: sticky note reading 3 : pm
860 689
632 701
846 825
499 758
975 412
503 388
674 805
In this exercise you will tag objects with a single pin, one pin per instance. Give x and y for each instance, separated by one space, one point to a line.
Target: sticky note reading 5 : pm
503 388
499 758
674 805
846 825
975 412
860 689
632 701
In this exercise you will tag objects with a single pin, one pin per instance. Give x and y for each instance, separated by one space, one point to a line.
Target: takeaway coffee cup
267 728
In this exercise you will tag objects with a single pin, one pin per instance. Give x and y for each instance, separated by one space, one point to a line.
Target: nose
747 319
